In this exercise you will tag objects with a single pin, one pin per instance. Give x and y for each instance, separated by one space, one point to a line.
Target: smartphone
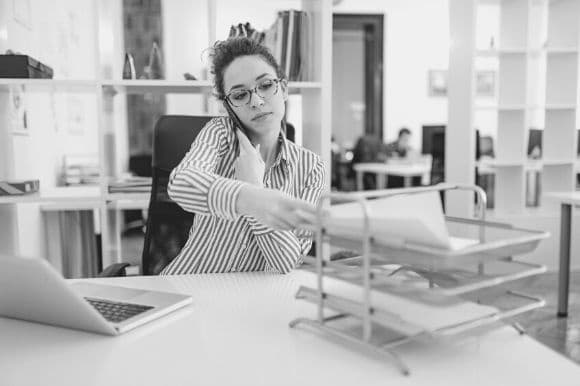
234 118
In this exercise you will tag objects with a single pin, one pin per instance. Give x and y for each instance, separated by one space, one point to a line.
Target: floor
561 334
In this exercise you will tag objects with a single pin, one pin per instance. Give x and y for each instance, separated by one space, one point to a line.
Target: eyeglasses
265 90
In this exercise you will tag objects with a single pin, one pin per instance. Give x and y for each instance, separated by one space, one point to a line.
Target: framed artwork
17 110
437 83
485 83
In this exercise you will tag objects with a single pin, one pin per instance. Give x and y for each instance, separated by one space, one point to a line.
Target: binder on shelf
289 41
18 187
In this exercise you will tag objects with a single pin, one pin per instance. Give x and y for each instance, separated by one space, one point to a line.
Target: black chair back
168 224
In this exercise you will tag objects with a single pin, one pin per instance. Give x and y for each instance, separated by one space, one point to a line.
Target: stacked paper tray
417 274
413 317
498 241
433 286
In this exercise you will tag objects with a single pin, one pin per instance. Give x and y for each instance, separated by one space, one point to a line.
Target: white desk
236 333
567 201
87 203
407 170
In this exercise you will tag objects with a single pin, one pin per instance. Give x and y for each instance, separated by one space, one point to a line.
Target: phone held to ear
234 118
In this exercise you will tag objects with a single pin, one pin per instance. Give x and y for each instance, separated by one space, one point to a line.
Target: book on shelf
289 41
131 184
80 170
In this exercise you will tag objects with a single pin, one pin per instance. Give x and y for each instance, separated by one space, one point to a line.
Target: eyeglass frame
254 90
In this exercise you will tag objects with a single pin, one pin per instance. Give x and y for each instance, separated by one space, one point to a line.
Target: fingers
245 144
305 217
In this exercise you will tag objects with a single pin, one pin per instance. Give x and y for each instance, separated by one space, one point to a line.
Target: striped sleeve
194 184
283 250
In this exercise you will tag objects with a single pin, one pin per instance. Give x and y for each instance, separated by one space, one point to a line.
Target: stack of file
131 185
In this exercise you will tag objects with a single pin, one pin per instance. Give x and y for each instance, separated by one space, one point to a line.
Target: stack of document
415 316
396 221
131 185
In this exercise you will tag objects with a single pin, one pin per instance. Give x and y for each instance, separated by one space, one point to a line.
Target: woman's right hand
275 209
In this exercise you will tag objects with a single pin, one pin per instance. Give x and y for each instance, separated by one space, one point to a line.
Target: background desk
382 170
74 222
236 333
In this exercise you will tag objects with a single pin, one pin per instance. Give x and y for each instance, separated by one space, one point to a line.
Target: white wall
416 39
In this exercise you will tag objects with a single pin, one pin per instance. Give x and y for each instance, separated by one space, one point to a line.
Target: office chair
168 225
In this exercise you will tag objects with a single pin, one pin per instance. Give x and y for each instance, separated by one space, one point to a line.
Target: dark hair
403 131
224 52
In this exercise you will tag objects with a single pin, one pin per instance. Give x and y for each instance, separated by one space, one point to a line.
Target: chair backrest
168 225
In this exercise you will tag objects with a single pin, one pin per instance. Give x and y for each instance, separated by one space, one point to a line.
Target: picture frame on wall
17 110
437 83
485 83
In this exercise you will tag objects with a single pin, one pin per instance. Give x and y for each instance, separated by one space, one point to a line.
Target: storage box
23 66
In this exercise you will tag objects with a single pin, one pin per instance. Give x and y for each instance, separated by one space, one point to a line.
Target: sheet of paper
415 218
413 312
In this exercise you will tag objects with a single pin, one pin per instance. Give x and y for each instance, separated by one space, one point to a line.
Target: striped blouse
220 239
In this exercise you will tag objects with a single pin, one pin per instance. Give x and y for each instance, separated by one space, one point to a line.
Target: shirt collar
283 153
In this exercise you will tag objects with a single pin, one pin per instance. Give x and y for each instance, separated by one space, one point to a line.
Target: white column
8 237
460 134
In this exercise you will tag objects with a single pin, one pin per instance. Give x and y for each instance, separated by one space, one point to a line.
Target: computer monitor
433 141
534 140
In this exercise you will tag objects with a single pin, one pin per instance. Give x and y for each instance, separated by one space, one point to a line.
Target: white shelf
158 86
503 51
561 51
81 195
497 52
132 86
50 84
519 107
558 162
561 106
496 163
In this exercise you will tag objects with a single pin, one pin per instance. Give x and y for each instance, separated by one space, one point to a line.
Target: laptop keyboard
117 312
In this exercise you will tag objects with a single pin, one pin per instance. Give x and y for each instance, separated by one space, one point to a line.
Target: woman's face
260 114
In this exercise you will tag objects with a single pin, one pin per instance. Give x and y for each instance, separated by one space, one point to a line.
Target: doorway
357 87
357 80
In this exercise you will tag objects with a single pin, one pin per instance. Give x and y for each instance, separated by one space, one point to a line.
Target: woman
251 190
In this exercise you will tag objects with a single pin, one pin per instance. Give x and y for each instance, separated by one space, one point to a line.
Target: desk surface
397 169
79 198
236 333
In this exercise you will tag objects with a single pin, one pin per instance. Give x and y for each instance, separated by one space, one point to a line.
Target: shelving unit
313 97
535 53
560 132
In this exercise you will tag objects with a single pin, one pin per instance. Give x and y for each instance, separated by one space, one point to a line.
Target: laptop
31 289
